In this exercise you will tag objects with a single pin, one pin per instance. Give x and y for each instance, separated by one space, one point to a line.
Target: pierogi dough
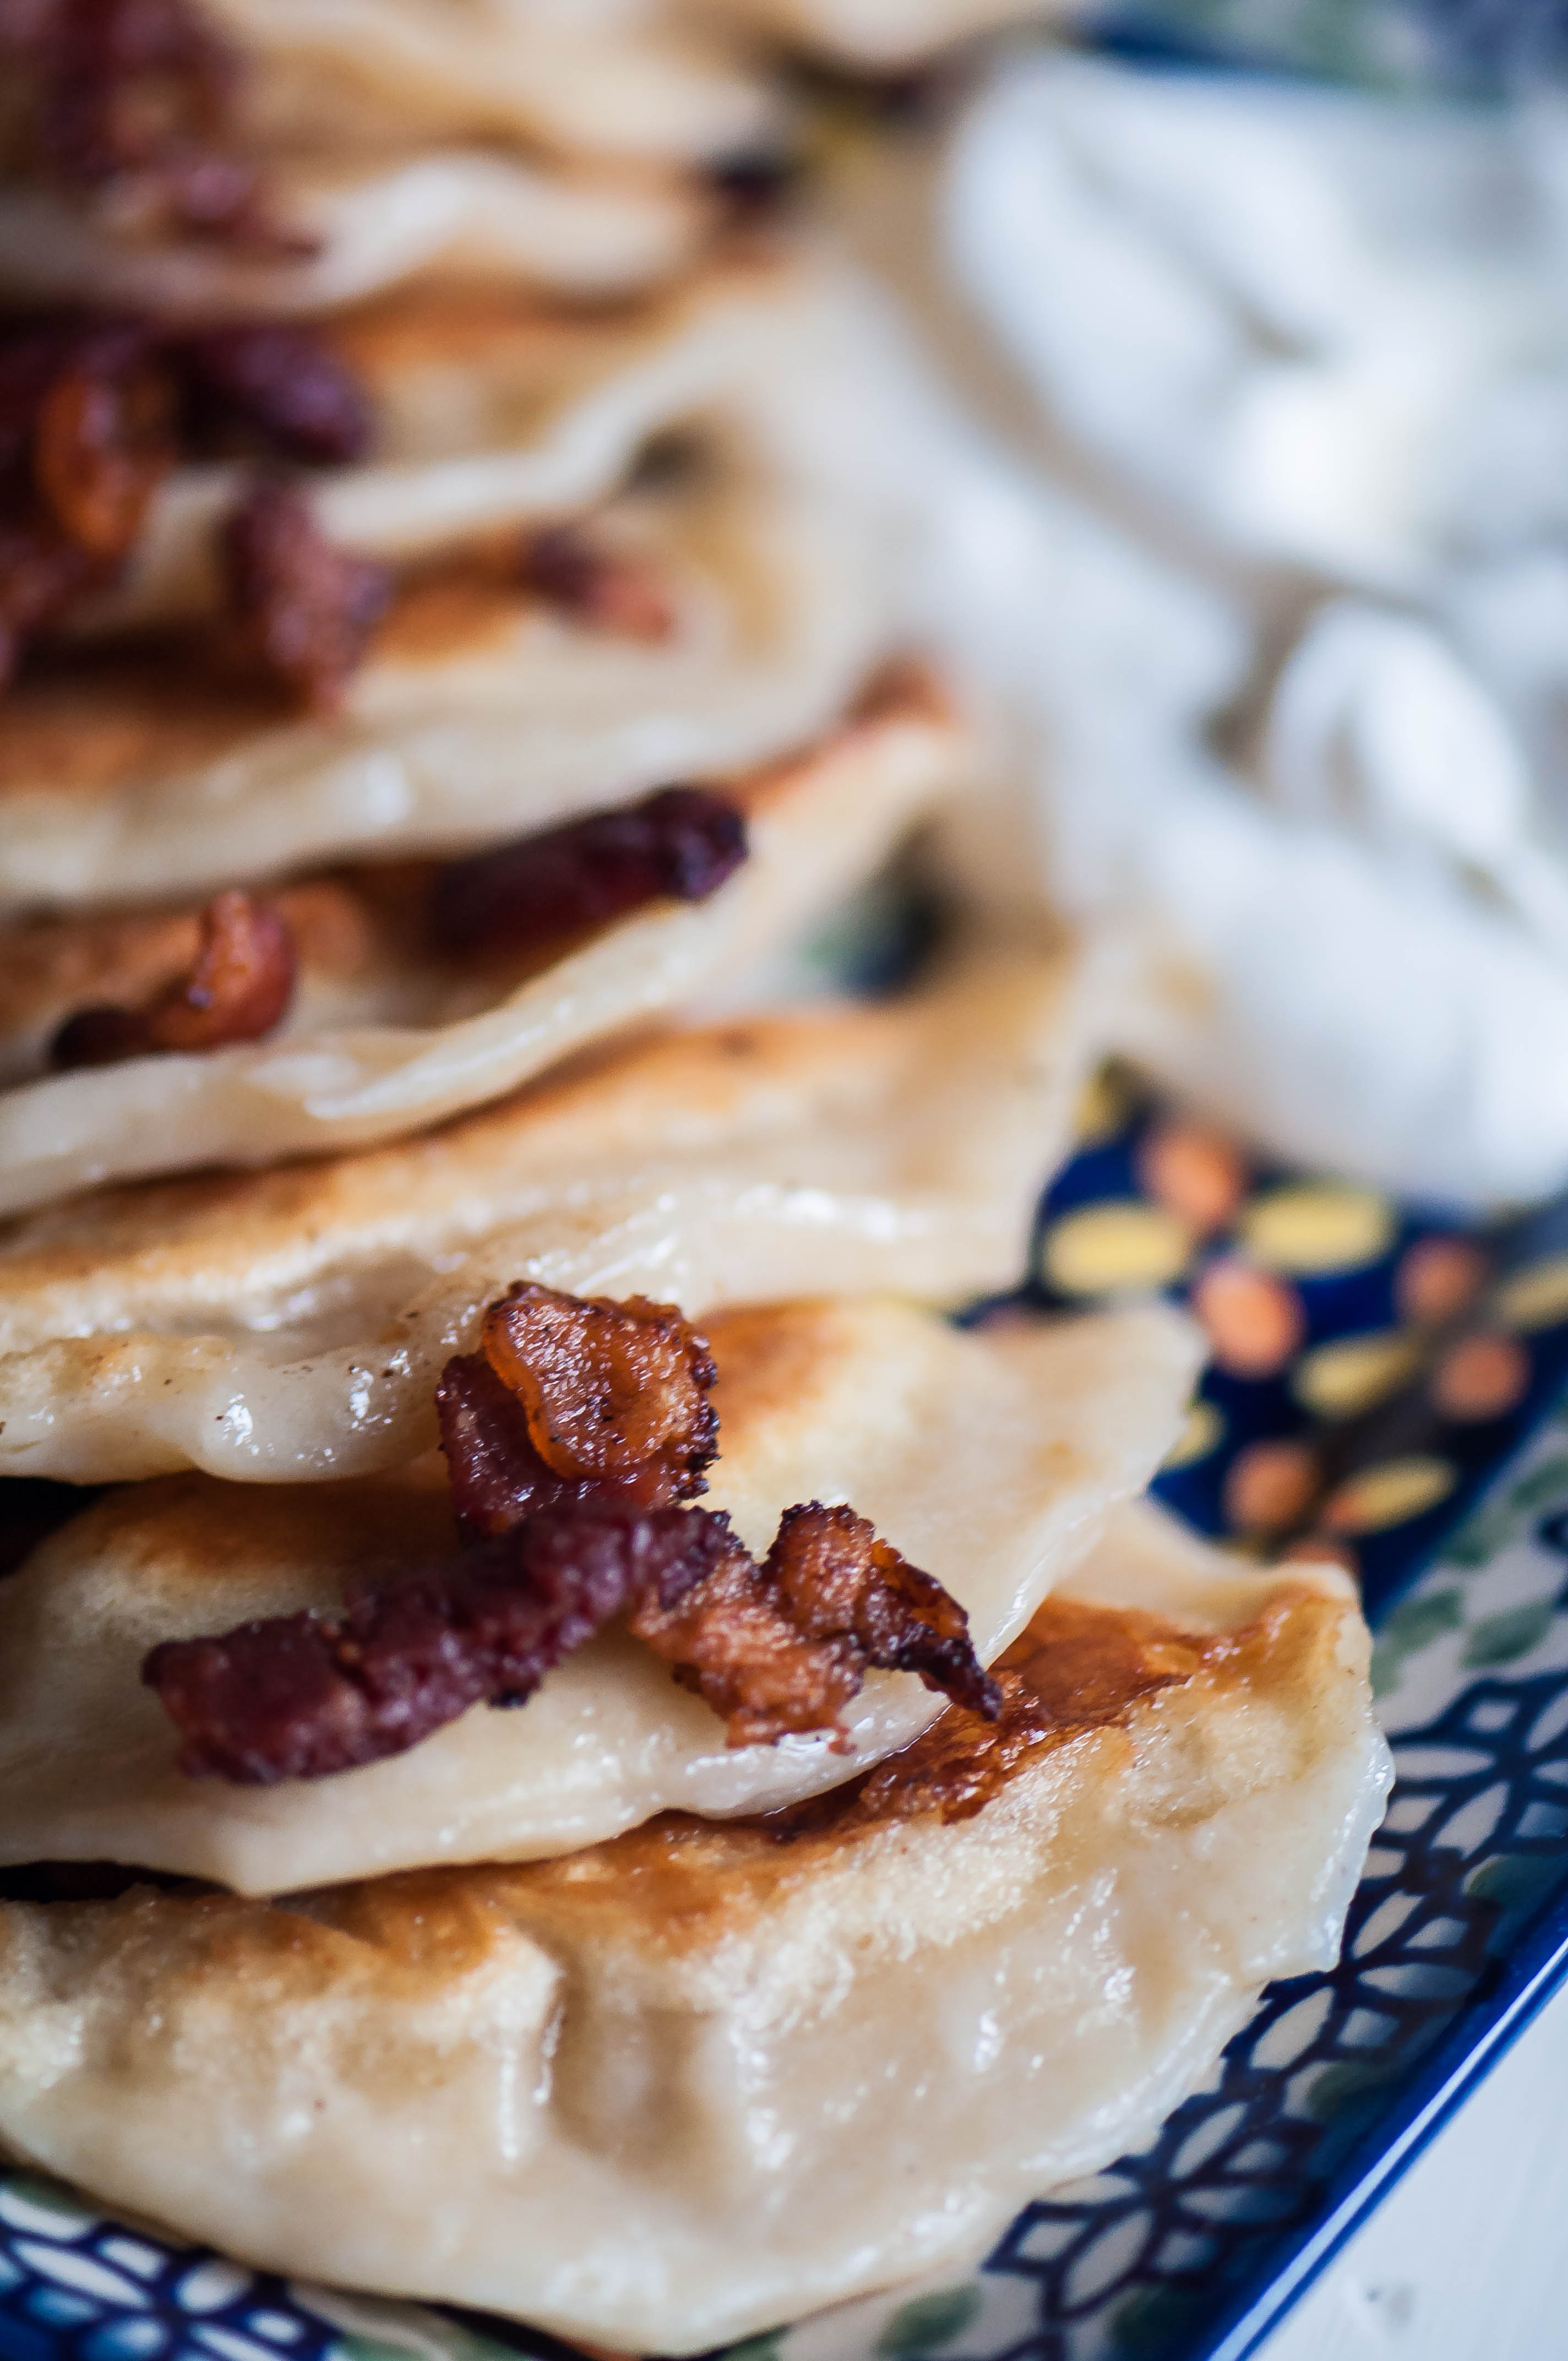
490 411
293 1324
817 828
453 216
988 1459
399 141
687 2085
629 80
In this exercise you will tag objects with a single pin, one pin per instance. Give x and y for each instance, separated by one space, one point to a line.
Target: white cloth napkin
1276 597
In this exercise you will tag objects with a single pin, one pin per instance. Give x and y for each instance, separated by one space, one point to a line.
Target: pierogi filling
572 1439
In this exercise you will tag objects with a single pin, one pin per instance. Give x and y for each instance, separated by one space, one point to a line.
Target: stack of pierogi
508 1796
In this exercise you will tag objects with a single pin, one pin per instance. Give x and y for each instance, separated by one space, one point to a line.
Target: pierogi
455 216
631 80
132 767
689 2083
991 1460
396 1060
293 1324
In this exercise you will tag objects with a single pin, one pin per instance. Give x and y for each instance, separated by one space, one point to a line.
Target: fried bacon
301 611
614 1393
94 411
138 98
83 446
498 1478
279 385
571 1438
681 843
606 592
783 1646
301 1696
238 989
572 1399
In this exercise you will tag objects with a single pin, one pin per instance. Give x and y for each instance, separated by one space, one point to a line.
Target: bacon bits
785 1646
681 844
777 1648
571 1438
605 592
614 1394
498 1478
302 611
83 445
301 1696
281 385
136 98
238 990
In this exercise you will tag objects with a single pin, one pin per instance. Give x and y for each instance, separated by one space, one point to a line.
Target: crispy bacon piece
302 611
571 1438
615 1394
279 383
498 1478
301 1696
783 1646
100 453
573 1399
606 592
138 97
83 446
238 990
545 890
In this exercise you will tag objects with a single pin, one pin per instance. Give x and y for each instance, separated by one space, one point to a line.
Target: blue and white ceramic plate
1383 1380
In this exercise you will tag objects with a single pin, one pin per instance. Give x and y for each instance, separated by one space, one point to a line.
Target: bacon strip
238 990
302 611
95 412
614 1393
281 384
301 1696
83 446
785 1646
572 1399
681 843
570 1438
139 95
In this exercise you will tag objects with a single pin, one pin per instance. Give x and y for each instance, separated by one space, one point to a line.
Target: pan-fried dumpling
700 2079
419 1039
364 225
383 142
630 80
484 413
293 1324
132 769
990 1460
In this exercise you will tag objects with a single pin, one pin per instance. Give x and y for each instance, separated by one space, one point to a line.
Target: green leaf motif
1347 2084
1518 1881
757 2348
1478 1542
1417 1622
1152 2319
1500 1639
1543 1486
1414 1624
928 2321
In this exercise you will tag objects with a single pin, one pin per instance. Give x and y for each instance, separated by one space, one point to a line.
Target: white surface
1467 2259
